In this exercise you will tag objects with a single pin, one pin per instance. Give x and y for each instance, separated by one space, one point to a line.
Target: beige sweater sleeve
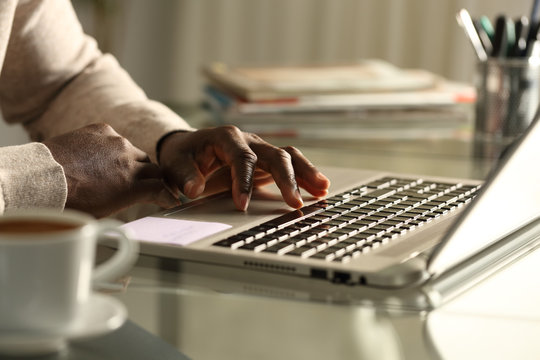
25 174
54 79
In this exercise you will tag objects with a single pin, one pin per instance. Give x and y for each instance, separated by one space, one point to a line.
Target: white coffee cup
47 268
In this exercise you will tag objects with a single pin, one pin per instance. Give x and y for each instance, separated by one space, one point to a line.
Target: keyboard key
330 241
336 235
327 254
339 252
303 251
381 183
292 216
300 226
373 231
256 246
280 248
358 241
362 201
319 245
348 218
374 219
232 242
380 194
308 236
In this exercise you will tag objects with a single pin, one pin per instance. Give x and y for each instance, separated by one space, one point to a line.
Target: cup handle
124 257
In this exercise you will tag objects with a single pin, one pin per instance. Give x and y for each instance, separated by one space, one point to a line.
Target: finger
242 170
218 181
187 177
208 161
261 178
262 181
307 175
315 191
232 150
141 155
278 162
260 173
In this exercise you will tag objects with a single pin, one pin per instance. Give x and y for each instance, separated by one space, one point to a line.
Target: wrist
162 139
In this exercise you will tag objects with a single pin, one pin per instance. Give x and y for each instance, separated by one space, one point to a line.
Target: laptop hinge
465 275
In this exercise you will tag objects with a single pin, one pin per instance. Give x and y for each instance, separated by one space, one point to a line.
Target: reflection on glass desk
206 315
247 321
130 341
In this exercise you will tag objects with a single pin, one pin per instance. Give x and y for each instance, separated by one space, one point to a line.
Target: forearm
55 79
104 93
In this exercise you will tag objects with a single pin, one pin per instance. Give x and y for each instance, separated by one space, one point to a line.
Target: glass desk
182 304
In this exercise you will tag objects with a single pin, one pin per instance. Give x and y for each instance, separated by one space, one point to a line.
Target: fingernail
244 202
321 176
192 189
188 186
299 197
175 203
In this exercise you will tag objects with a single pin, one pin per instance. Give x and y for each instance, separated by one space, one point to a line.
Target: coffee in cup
47 267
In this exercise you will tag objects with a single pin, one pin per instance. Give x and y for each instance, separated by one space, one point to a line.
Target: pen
465 21
487 26
500 40
533 45
522 34
534 12
485 39
532 37
510 29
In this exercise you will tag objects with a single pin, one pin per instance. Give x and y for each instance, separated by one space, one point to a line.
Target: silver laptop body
493 225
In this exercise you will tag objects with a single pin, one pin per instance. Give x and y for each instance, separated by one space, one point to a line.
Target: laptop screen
509 199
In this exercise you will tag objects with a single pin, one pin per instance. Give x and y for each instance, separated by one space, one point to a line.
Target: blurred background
164 43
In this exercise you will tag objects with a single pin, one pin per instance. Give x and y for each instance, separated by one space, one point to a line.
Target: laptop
384 235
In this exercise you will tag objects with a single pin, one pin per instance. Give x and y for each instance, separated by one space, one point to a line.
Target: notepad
172 231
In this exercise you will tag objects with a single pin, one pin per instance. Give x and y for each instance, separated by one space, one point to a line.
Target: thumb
187 177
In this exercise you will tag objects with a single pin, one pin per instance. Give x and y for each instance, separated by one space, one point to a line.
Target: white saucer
100 315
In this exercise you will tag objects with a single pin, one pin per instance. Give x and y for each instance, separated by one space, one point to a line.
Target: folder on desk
280 83
338 100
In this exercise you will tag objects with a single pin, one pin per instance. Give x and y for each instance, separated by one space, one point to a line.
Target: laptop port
341 277
319 274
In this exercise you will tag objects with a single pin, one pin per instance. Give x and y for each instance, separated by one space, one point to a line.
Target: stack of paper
370 98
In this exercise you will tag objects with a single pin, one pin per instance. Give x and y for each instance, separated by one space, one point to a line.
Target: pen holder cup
508 95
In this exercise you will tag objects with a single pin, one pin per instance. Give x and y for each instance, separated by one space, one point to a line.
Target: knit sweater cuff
30 178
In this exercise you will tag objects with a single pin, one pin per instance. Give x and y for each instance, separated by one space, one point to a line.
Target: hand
216 159
105 172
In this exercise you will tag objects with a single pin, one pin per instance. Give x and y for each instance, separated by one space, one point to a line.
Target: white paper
172 231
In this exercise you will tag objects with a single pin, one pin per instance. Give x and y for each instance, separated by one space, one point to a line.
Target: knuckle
291 150
248 157
284 155
120 142
101 127
253 137
231 129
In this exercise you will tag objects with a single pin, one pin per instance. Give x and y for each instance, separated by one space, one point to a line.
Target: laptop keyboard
347 225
